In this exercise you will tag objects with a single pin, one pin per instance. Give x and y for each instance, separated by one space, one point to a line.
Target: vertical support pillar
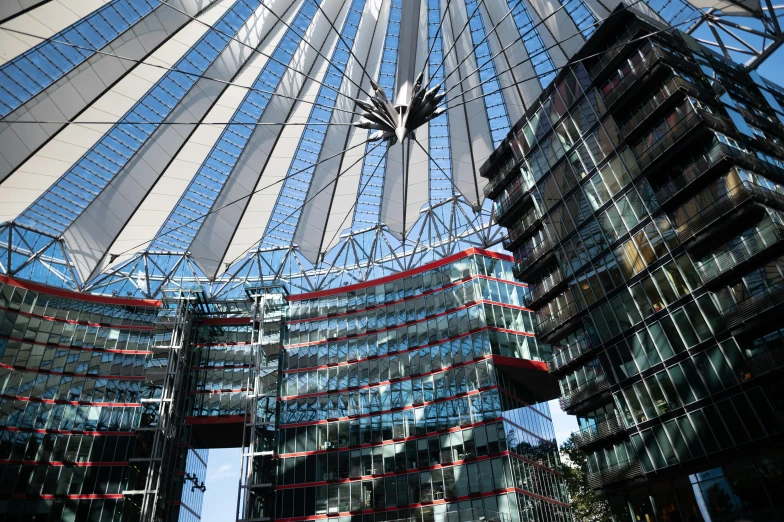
258 469
407 51
162 412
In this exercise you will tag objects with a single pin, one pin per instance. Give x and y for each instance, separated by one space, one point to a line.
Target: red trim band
81 348
70 432
58 464
69 294
393 410
400 275
423 504
384 383
69 374
73 321
418 296
72 403
215 419
86 496
394 473
395 328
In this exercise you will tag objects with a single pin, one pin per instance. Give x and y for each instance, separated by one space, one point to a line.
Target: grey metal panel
215 235
347 188
93 232
11 8
470 136
507 37
67 97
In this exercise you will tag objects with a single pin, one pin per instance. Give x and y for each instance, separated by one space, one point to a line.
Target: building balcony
583 393
659 103
755 311
755 250
570 355
556 321
501 178
621 471
654 57
764 362
598 432
544 288
692 176
736 210
516 199
675 137
523 230
610 56
530 260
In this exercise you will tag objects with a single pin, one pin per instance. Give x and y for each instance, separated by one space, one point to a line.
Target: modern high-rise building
261 224
644 200
418 396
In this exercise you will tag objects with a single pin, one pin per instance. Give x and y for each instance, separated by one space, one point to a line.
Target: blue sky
223 473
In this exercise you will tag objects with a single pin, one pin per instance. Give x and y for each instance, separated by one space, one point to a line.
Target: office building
643 200
180 182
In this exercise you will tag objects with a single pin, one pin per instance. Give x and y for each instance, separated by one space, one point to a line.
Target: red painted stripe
425 504
400 275
211 392
73 321
80 348
70 432
226 320
396 327
375 357
393 410
384 383
388 442
61 464
226 367
59 292
69 374
418 296
88 496
194 453
183 504
220 419
394 473
73 403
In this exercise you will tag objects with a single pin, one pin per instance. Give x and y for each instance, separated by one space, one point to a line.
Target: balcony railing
654 104
585 391
649 60
543 288
599 431
765 362
617 47
766 239
558 319
526 258
752 307
735 198
524 228
621 471
501 207
692 120
692 172
570 353
501 177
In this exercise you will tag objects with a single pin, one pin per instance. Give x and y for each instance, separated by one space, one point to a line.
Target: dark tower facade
643 197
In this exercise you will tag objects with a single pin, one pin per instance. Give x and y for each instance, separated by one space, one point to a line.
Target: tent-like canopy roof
207 143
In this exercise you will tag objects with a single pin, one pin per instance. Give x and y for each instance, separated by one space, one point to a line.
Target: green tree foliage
586 505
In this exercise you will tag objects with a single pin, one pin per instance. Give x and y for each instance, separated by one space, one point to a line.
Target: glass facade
643 203
407 399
